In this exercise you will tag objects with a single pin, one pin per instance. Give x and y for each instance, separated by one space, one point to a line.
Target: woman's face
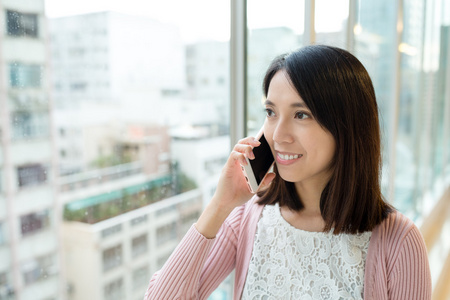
303 150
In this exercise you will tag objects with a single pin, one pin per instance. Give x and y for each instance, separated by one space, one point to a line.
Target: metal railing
90 178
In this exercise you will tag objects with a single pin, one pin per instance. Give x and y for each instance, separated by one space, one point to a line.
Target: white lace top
290 263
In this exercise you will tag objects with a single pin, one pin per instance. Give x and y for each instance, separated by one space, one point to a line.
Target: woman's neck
310 195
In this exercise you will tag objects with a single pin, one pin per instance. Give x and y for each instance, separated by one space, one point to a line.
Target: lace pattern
289 263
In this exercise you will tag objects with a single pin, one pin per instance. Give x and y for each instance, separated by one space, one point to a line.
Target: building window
31 175
166 233
25 76
162 260
34 222
3 279
165 210
27 124
112 257
114 290
111 230
6 289
139 245
189 219
38 269
2 236
20 24
138 220
78 86
140 277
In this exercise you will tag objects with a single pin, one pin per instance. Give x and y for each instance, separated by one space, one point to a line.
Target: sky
210 19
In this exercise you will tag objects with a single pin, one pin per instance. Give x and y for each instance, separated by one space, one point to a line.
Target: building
29 244
201 158
114 71
112 57
120 254
208 78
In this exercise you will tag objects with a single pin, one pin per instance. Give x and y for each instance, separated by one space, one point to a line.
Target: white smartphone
257 168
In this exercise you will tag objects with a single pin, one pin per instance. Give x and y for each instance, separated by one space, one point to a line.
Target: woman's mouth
287 158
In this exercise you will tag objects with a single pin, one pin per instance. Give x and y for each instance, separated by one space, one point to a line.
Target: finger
249 141
238 157
246 149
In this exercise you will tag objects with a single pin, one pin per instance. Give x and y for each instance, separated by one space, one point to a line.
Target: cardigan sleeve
198 265
410 278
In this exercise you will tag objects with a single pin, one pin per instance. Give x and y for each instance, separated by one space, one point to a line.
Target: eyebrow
295 104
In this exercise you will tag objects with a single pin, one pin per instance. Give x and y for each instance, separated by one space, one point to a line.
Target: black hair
339 93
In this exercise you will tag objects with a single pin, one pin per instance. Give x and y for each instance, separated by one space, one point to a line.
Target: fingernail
252 156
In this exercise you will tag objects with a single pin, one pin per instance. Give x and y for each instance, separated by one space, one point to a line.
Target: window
165 210
139 245
114 290
25 75
166 233
78 86
30 124
20 24
38 269
162 260
31 175
3 279
138 220
111 230
287 31
2 235
331 30
34 222
374 42
6 290
140 277
112 257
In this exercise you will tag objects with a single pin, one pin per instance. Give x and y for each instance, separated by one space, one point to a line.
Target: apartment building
29 245
114 258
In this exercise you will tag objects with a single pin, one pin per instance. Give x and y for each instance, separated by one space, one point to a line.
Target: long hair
339 93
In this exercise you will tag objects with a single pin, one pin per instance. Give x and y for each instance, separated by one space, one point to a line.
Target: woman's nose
282 133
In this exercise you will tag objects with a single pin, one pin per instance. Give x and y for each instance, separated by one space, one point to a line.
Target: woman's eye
301 115
269 112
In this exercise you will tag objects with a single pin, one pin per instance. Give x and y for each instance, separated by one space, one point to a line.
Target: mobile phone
257 168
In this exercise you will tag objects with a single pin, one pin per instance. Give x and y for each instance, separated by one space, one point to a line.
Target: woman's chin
288 177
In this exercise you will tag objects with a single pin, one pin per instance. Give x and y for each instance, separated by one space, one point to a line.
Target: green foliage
109 161
180 183
184 183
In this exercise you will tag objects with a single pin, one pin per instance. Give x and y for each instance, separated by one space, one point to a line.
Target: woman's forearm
212 219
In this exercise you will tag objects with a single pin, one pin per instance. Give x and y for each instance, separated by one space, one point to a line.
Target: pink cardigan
396 264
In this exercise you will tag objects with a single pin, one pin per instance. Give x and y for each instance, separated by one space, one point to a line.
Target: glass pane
274 28
412 114
115 128
331 22
375 40
420 147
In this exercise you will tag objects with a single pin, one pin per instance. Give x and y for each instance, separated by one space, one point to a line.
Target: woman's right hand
232 190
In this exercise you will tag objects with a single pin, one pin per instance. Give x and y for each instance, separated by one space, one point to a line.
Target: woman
320 228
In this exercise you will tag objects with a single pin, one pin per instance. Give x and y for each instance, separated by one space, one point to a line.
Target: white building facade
29 246
109 66
115 258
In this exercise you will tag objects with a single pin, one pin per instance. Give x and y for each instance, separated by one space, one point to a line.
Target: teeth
289 157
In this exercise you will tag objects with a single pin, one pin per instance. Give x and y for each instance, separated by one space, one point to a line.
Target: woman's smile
285 158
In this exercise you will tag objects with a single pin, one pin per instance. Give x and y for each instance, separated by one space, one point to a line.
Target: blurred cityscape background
115 124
